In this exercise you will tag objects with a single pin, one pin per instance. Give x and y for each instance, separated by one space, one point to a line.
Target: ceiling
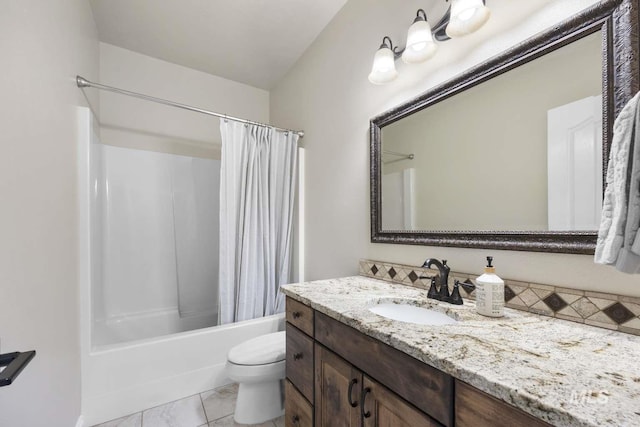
249 41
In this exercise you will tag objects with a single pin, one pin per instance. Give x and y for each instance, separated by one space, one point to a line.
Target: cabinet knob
297 356
296 420
296 314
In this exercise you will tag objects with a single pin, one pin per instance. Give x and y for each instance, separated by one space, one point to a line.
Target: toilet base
259 402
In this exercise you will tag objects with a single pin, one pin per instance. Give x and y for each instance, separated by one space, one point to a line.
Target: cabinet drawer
300 361
297 411
425 387
300 316
475 408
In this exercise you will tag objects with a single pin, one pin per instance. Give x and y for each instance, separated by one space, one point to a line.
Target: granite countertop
563 372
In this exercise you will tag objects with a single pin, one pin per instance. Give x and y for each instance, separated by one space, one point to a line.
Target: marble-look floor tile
186 412
221 402
134 420
279 422
228 422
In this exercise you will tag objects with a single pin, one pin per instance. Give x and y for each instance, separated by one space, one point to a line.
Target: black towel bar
13 364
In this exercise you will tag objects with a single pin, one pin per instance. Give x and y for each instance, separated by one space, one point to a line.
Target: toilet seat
262 350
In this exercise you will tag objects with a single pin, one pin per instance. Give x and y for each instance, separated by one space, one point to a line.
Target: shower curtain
257 186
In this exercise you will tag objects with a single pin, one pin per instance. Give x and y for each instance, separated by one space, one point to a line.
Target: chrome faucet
440 291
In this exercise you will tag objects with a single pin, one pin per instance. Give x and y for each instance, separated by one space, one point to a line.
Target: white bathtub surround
155 226
562 372
257 189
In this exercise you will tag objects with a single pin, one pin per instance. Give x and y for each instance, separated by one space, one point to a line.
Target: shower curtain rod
82 83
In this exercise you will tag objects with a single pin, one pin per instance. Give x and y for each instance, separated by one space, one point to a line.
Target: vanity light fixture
463 17
384 63
420 44
467 16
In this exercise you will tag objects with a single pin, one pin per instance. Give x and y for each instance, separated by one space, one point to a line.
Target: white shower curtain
257 186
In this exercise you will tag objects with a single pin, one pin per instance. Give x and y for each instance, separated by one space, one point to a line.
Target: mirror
511 154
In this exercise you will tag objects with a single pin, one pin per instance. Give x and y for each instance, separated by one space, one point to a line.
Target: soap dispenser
490 292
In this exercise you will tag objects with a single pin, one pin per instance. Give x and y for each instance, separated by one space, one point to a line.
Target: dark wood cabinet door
297 411
383 408
337 386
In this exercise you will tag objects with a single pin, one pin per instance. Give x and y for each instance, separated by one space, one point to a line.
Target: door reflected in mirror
519 152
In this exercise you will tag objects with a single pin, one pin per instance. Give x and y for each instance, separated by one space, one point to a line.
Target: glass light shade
420 44
384 67
467 16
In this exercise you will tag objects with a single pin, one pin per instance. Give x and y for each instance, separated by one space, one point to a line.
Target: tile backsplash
604 310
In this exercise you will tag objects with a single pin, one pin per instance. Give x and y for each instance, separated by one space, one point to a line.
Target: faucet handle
444 290
433 291
455 294
468 287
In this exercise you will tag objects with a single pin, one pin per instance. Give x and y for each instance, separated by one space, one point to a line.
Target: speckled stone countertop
562 372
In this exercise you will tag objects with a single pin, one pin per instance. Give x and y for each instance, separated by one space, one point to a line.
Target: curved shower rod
82 83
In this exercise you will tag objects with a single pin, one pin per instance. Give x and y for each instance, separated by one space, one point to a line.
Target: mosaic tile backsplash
603 310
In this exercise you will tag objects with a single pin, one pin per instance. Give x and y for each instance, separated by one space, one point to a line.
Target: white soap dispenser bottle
490 292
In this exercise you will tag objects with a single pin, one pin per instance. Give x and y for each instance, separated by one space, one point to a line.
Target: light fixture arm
439 29
397 52
419 17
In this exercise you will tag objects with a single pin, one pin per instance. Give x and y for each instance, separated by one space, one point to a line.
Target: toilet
258 366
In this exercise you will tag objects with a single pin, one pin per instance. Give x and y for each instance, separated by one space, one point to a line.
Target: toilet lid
262 350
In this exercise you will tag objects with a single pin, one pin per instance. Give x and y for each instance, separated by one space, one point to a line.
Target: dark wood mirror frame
618 22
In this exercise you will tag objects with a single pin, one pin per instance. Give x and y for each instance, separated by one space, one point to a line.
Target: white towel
621 206
629 257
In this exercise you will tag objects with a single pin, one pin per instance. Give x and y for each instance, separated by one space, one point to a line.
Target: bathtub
121 379
122 370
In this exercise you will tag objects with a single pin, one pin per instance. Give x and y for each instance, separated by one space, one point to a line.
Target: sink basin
412 314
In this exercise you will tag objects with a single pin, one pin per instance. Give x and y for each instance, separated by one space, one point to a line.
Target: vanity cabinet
346 397
338 376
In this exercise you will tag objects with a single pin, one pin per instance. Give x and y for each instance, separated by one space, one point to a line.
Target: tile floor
212 408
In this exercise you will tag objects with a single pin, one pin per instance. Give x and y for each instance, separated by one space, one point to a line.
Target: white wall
43 45
328 95
134 123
